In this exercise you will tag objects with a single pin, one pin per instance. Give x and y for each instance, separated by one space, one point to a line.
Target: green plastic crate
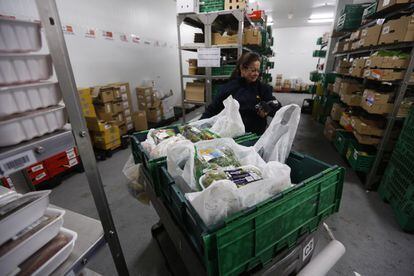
319 53
254 236
359 157
319 41
224 70
342 140
211 5
314 76
328 78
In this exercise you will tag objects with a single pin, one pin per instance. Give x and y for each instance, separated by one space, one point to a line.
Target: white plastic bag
222 198
228 123
160 150
275 144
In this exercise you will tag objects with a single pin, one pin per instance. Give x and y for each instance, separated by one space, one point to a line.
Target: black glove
274 106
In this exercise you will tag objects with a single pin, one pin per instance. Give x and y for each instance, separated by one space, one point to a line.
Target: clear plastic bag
136 183
275 144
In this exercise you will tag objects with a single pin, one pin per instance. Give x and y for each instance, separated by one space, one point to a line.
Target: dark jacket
248 95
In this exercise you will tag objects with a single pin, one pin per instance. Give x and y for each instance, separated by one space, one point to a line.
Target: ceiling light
321 20
321 16
290 15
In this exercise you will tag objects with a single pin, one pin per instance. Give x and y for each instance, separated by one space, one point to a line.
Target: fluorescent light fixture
290 15
321 16
322 20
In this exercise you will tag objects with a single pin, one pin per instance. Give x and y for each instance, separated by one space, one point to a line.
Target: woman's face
251 73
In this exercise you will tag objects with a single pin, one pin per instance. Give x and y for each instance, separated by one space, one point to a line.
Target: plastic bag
223 198
228 123
158 147
136 186
275 144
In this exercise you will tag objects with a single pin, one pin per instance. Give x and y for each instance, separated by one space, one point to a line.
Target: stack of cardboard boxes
107 110
149 102
278 84
357 68
252 36
195 91
351 93
343 67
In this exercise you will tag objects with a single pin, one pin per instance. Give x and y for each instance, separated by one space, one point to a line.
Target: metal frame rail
54 35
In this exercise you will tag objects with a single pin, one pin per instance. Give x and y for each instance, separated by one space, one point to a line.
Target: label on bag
70 154
308 249
17 162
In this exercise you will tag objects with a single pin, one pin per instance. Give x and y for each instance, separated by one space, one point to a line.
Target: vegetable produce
195 134
240 176
161 134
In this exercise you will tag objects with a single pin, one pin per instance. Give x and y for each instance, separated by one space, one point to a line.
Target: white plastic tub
18 69
21 98
26 126
10 261
6 195
54 262
19 36
23 217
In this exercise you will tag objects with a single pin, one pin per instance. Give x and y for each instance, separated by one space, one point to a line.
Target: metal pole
57 47
180 61
372 176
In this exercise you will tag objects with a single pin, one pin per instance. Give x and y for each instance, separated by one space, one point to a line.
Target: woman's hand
262 113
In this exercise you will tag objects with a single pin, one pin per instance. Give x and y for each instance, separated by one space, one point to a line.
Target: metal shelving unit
237 19
92 234
401 86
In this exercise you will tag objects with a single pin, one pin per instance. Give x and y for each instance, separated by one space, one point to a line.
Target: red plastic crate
256 15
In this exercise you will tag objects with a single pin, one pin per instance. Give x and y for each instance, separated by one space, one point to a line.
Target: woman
255 98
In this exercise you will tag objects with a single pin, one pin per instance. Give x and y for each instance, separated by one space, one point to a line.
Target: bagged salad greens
240 176
161 134
196 134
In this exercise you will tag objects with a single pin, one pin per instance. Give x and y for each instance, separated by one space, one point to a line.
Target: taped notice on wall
90 33
108 35
68 29
135 38
123 37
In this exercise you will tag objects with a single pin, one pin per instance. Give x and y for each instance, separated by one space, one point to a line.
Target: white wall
99 61
293 51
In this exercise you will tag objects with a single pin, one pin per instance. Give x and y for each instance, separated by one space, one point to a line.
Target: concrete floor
365 225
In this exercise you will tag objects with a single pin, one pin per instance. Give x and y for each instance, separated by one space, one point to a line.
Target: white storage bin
9 261
21 98
53 263
19 36
17 69
23 217
26 126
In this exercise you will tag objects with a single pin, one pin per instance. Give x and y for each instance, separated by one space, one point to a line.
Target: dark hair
244 61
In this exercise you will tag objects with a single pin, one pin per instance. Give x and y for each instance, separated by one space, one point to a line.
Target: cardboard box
330 129
104 94
376 108
398 30
194 91
123 130
370 36
344 64
85 95
117 92
97 125
356 71
358 62
366 127
339 46
374 97
355 35
336 111
350 88
384 4
218 39
347 47
104 111
366 139
154 115
108 146
140 120
234 4
345 121
125 91
109 134
355 45
386 62
383 74
337 85
351 100
88 110
118 119
252 36
117 107
374 62
144 91
342 71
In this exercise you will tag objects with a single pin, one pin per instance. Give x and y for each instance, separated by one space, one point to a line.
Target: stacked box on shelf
252 234
397 185
211 5
150 103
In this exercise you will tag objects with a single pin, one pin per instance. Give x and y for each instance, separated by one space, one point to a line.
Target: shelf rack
373 177
235 19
